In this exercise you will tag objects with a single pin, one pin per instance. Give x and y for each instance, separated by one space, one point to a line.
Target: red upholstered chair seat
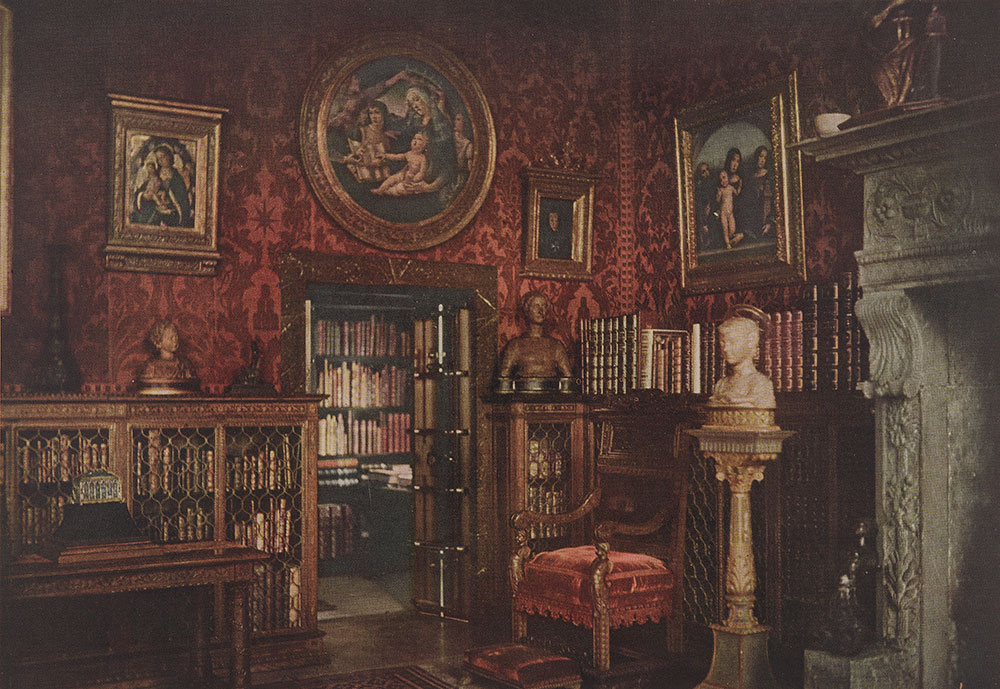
557 584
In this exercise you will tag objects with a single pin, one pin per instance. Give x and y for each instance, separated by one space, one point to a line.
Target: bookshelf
395 369
194 470
804 515
359 354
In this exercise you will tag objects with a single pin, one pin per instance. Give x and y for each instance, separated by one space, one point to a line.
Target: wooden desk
145 567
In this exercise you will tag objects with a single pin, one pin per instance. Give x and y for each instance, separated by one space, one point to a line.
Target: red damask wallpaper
560 80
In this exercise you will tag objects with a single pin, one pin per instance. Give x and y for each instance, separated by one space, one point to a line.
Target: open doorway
407 510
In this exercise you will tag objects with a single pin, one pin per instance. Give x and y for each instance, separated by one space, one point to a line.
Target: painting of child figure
740 190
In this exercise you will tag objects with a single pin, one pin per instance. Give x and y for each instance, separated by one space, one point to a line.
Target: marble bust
745 386
534 355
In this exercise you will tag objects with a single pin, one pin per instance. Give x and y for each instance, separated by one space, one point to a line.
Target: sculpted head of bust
745 386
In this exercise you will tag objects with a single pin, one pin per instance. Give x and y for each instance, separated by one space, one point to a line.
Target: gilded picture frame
6 164
164 186
397 141
559 217
740 190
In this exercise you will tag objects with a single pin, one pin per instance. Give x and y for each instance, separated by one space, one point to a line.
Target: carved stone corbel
895 344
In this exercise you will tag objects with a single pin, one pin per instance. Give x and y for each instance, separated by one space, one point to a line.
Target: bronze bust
534 361
166 373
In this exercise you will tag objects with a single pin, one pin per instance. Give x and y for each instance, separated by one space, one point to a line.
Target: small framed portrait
740 190
397 141
164 187
559 213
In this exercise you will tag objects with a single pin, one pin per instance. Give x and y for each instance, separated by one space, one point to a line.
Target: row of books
60 458
372 337
276 598
267 530
354 384
544 461
443 341
38 521
338 471
343 433
663 357
609 354
265 468
336 527
818 346
547 501
170 469
189 523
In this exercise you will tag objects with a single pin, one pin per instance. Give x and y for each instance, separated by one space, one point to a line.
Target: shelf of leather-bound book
402 361
361 410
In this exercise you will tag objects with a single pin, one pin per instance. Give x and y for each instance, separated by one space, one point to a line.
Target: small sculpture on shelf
534 361
848 625
908 72
167 373
250 381
745 386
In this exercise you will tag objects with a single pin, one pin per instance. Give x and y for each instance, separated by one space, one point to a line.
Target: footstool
523 667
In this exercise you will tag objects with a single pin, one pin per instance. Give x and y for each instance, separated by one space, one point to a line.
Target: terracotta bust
745 386
534 354
166 369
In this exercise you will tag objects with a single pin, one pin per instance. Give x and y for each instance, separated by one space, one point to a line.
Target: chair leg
602 642
675 635
518 625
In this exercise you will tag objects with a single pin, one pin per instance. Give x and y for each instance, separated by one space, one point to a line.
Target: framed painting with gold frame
6 60
164 186
559 216
740 190
397 141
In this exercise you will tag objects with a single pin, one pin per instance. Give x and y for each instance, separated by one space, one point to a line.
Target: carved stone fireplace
930 275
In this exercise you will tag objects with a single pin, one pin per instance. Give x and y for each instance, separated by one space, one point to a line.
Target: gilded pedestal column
740 441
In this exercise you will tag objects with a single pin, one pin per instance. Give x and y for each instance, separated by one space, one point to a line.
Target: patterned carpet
410 677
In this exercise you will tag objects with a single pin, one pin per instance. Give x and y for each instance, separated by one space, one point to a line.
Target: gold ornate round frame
352 81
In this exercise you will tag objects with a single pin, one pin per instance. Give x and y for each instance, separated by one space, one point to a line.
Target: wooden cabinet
193 469
542 449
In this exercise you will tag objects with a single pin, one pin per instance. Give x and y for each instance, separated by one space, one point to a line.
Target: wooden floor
436 644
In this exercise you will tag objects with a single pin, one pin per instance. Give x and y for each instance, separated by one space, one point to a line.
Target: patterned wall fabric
551 78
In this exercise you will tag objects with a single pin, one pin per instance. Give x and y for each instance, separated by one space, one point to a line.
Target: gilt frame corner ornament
559 220
164 186
747 233
397 141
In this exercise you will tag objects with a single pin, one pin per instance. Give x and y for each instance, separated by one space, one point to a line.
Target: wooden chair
632 569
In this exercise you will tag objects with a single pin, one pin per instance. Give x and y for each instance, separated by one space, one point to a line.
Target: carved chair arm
521 522
608 529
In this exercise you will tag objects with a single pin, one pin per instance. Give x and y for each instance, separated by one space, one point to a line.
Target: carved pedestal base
739 660
871 669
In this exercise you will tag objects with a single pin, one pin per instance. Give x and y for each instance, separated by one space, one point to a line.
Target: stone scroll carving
895 345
